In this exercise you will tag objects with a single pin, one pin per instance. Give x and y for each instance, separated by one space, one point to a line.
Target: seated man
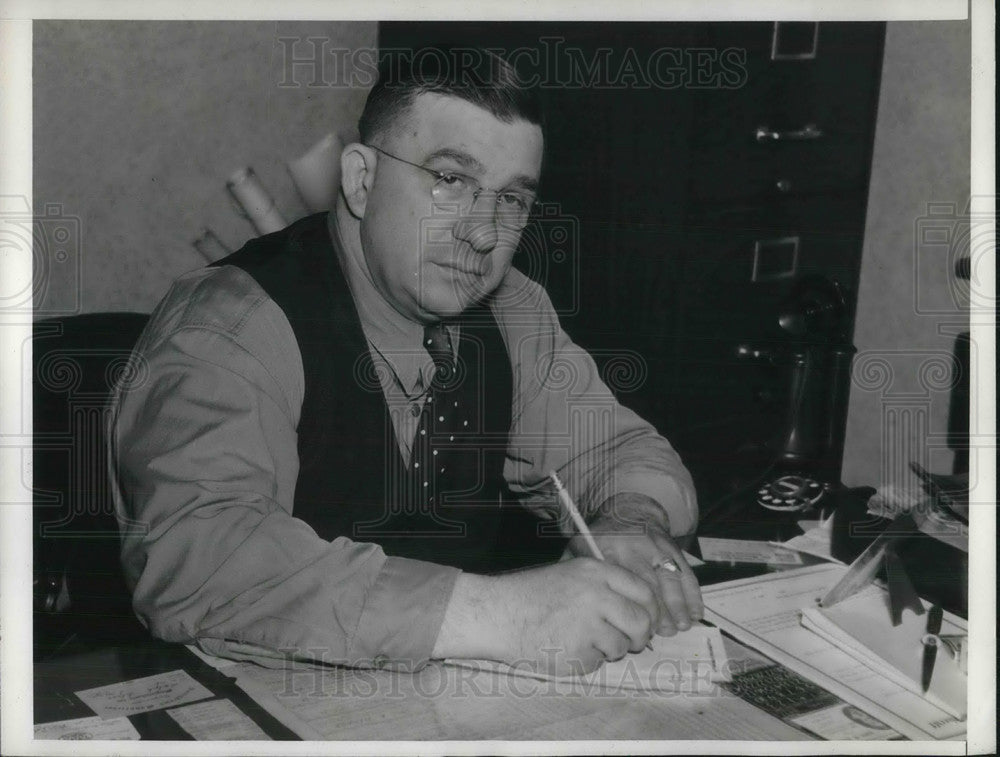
342 421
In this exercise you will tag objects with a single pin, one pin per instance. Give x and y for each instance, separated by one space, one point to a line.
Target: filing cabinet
777 192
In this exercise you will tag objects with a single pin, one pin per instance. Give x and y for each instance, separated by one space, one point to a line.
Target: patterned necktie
438 421
437 342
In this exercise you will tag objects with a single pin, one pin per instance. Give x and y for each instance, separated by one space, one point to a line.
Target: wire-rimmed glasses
513 208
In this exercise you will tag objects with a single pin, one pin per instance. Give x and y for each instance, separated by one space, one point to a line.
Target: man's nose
478 226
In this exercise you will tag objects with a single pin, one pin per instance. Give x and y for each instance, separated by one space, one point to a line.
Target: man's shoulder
221 299
221 315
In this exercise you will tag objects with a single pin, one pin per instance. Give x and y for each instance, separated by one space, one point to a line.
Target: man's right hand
560 619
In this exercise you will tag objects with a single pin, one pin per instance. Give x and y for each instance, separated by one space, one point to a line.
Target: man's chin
452 304
446 310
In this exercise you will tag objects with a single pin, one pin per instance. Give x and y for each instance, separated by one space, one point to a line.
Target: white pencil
581 525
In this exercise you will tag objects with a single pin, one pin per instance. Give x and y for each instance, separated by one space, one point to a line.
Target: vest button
414 410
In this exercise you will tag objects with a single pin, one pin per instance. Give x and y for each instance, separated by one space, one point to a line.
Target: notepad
217 720
94 728
140 695
695 655
861 626
743 550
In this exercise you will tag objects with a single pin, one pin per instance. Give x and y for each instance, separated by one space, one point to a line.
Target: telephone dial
790 493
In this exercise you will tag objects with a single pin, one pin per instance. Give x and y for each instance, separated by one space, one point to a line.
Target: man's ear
357 175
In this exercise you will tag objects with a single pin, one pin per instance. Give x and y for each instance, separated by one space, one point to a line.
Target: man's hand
632 531
560 619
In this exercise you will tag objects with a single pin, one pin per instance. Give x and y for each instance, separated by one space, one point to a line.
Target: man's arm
629 482
566 419
204 459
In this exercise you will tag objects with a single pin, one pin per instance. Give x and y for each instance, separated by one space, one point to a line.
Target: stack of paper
765 613
860 625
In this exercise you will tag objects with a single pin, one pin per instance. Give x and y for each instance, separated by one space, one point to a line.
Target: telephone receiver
817 409
818 359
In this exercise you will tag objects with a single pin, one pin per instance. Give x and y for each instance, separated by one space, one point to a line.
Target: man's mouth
468 268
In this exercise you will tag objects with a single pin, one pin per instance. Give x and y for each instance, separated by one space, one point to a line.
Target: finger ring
668 564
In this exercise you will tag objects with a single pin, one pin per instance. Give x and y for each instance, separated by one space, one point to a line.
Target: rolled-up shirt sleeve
204 463
566 419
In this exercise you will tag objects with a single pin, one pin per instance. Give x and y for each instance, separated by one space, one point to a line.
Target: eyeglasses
513 209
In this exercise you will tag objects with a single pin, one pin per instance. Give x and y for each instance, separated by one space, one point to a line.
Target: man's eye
513 200
452 180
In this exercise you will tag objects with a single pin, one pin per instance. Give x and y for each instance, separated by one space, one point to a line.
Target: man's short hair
472 74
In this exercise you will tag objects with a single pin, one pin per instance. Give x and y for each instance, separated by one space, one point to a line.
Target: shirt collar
397 339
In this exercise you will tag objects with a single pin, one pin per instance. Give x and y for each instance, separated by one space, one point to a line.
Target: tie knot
437 342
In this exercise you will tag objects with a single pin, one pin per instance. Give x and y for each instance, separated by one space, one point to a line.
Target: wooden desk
439 703
77 669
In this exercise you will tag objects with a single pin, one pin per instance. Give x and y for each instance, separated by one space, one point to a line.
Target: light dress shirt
204 462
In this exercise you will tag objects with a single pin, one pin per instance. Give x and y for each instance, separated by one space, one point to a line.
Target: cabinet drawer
807 124
737 265
735 170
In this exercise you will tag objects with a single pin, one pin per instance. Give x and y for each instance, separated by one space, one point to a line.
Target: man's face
431 261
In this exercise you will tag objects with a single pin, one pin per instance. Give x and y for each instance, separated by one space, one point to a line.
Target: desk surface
56 680
459 708
439 703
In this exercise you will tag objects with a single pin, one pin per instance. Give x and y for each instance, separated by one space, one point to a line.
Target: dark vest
352 481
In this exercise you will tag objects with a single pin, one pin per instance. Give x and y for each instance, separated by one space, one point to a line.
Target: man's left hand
632 531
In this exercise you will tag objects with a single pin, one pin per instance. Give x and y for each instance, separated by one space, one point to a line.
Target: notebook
861 626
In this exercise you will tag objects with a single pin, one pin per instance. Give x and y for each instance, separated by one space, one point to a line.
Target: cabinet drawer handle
809 131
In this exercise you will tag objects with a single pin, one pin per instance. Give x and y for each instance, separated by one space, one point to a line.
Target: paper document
845 722
697 654
218 720
144 694
860 625
448 703
817 539
740 550
765 613
94 728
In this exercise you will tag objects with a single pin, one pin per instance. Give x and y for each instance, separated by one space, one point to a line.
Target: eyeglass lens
512 209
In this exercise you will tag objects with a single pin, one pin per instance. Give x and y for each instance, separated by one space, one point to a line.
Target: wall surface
910 303
137 126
